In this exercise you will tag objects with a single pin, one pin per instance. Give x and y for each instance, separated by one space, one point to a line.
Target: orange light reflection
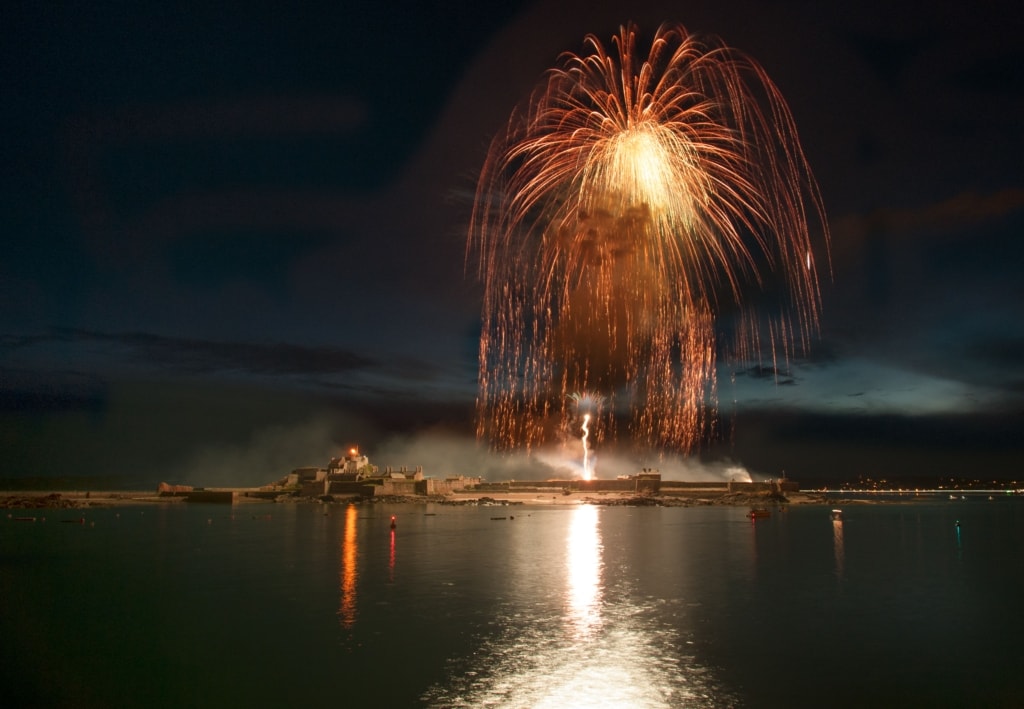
840 550
391 557
349 572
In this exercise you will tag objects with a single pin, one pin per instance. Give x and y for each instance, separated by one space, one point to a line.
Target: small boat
837 515
759 513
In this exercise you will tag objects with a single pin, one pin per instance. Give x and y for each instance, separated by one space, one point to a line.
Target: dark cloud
1001 355
32 392
834 448
196 356
968 210
765 372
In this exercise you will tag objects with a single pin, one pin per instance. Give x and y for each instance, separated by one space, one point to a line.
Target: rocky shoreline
75 500
696 498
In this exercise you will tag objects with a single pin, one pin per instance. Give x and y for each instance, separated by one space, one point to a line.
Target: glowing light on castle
640 216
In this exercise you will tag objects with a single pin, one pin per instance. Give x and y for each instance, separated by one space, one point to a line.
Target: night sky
234 233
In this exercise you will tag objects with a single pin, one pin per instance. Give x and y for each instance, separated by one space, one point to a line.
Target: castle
352 474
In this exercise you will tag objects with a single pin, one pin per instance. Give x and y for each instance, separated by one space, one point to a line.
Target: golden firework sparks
628 206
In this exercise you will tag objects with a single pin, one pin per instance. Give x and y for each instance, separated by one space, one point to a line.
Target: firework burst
628 213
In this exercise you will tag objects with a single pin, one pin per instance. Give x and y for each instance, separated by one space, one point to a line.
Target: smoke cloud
444 453
272 452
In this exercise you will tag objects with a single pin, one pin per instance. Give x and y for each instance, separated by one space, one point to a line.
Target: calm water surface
273 605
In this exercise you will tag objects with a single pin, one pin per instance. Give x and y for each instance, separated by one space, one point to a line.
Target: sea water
519 606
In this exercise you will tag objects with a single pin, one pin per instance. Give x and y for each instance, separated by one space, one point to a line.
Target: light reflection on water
349 571
600 647
839 547
583 568
391 556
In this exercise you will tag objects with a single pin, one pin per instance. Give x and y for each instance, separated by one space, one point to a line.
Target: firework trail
630 211
589 405
588 472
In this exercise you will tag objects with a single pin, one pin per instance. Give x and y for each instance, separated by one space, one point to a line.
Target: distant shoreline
74 499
